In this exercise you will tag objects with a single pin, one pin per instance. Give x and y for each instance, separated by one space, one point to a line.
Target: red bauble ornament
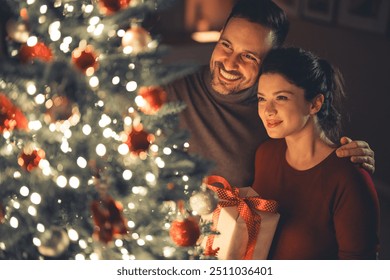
30 159
85 59
108 219
136 40
2 214
60 110
10 116
112 6
38 51
138 140
184 232
154 98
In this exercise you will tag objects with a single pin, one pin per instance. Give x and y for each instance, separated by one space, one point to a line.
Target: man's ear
316 104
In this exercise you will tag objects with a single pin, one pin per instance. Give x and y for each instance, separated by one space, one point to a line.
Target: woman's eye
260 99
281 97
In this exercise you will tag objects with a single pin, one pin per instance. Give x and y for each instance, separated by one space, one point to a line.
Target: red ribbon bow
246 206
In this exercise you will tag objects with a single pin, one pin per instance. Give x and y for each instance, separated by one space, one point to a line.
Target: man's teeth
227 75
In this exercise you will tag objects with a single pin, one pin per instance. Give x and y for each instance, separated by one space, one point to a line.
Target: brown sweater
329 211
223 128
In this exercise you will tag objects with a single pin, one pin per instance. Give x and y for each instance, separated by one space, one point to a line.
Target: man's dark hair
266 13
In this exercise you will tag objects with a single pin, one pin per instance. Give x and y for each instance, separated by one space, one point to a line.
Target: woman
328 206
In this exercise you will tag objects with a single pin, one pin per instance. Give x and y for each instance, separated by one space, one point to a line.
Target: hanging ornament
184 232
85 59
139 140
111 6
152 98
30 158
108 219
24 14
203 202
10 116
38 51
17 31
54 242
136 40
60 109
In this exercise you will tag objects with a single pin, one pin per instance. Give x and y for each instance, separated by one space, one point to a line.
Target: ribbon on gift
246 206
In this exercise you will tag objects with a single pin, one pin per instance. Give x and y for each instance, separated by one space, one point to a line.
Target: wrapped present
245 221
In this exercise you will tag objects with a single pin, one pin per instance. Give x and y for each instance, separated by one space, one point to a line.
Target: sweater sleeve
356 217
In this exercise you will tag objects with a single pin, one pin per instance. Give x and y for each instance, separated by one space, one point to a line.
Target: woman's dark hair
315 76
265 13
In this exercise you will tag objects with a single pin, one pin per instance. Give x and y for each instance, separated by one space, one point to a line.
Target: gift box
245 221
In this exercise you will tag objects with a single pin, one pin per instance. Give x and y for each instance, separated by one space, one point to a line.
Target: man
221 113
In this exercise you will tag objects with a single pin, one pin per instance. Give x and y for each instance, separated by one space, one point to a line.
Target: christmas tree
93 163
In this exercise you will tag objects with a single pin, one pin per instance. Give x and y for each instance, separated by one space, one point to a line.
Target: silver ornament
203 202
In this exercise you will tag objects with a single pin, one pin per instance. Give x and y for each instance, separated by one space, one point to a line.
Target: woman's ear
317 104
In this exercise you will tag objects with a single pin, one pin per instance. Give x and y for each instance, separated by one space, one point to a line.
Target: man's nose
231 62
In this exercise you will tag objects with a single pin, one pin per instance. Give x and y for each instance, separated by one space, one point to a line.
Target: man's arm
359 151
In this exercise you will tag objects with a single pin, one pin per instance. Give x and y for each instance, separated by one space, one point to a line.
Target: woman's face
282 106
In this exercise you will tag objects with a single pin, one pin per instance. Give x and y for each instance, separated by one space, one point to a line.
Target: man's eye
225 44
281 97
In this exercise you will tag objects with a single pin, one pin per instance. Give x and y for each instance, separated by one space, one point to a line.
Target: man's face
236 58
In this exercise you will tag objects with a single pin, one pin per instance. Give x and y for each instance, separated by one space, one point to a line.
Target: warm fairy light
167 151
98 30
24 191
87 129
101 150
40 99
35 198
118 243
17 174
45 166
139 190
131 86
131 205
65 146
54 31
88 9
94 82
2 246
6 134
116 80
128 50
131 224
167 225
43 9
73 235
35 125
127 174
186 145
81 162
150 177
14 222
37 242
149 238
42 19
100 103
32 41
128 121
83 244
140 101
153 148
123 149
15 204
160 163
94 20
30 2
131 66
135 235
121 32
185 178
68 40
32 211
104 120
79 257
40 227
68 134
141 242
124 251
31 88
61 181
69 8
74 182
168 251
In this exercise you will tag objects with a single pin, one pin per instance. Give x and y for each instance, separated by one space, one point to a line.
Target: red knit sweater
329 211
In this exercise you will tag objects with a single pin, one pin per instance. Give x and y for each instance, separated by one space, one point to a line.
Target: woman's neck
308 148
